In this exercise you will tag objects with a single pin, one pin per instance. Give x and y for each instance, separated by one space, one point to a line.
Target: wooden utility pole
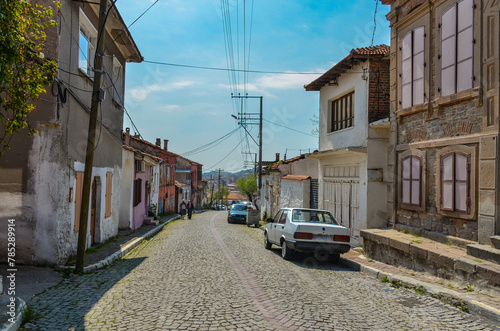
89 157
219 191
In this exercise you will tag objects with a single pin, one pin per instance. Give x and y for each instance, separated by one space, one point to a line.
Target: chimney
127 136
158 142
284 157
165 144
277 157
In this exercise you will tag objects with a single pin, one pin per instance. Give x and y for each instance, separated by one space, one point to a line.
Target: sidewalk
118 246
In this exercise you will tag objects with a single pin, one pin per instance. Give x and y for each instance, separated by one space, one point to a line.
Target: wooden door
93 211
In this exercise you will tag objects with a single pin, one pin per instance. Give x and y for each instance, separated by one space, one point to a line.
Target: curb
443 294
19 317
122 252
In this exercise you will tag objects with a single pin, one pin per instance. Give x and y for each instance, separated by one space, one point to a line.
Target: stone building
41 177
444 117
353 139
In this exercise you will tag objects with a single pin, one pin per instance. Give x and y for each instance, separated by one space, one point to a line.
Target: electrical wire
228 154
210 144
286 127
374 21
232 70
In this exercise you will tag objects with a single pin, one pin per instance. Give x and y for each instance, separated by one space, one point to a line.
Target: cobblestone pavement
205 274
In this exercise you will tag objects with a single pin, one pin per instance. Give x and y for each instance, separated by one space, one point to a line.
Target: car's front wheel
286 252
267 244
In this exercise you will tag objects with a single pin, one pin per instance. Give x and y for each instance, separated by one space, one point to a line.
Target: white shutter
415 183
465 42
418 65
406 182
448 51
447 182
461 182
406 71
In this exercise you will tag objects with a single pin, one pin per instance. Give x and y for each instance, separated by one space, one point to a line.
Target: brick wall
379 89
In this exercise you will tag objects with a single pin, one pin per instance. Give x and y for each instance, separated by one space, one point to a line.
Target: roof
296 177
355 56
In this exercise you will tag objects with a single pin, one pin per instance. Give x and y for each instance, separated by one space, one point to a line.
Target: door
272 229
278 232
93 211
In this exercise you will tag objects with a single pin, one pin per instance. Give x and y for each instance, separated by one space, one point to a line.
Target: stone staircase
485 252
443 256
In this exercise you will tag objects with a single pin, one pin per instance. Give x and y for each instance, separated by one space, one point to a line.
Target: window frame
117 82
413 65
470 153
341 119
89 32
421 155
456 62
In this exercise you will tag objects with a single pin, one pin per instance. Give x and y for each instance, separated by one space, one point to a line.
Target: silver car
306 230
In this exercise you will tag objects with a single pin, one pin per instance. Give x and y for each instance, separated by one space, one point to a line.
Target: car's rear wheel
267 244
335 258
286 252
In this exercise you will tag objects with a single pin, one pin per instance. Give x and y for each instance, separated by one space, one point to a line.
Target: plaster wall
140 211
356 135
127 191
303 167
295 193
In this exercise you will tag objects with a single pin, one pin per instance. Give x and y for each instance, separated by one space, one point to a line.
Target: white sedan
306 230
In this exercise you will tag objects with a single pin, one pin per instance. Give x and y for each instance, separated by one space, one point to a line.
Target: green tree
247 185
24 71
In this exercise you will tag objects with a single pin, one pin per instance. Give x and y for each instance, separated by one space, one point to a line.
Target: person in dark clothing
182 208
190 208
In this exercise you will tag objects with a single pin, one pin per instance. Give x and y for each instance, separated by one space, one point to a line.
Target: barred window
343 112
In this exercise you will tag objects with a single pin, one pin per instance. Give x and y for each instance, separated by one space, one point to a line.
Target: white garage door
340 193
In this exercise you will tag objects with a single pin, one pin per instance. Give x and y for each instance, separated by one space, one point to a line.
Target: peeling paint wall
295 193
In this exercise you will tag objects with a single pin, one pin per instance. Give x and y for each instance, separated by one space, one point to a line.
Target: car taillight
303 235
341 238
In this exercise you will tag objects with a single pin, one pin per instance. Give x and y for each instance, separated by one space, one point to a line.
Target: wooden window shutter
406 180
109 192
406 70
465 44
447 181
78 199
418 66
448 51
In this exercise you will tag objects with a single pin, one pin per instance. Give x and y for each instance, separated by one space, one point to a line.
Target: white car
306 230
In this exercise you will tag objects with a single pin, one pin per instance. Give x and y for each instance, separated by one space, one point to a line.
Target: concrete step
151 221
495 241
484 252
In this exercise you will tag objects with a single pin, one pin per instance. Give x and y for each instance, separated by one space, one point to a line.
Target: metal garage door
340 193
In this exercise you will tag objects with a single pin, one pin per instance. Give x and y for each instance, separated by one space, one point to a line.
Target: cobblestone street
206 274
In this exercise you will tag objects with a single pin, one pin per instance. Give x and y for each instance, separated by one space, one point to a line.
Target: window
117 81
109 192
342 112
455 173
137 191
412 68
411 180
283 217
78 199
457 48
87 43
140 166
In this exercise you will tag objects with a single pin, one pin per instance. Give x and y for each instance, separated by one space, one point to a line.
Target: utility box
253 217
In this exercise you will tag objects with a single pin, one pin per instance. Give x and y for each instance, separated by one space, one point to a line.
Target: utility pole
243 118
220 193
89 157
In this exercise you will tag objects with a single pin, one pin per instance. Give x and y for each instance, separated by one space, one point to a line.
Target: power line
210 144
128 27
374 21
232 70
286 127
225 157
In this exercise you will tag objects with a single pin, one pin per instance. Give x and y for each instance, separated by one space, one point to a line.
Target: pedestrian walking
183 208
190 208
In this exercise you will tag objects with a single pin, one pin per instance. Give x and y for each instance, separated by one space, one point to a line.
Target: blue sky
192 107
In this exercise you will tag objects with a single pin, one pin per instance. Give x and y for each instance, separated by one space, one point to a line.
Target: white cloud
289 81
169 108
141 93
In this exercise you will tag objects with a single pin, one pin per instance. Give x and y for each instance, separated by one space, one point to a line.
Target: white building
353 139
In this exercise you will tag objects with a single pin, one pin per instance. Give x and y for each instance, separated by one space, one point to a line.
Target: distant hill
228 177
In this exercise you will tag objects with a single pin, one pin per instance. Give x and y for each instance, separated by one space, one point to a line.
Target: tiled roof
372 50
355 56
296 177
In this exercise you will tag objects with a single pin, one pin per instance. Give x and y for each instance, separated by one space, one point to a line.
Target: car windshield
239 207
313 216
